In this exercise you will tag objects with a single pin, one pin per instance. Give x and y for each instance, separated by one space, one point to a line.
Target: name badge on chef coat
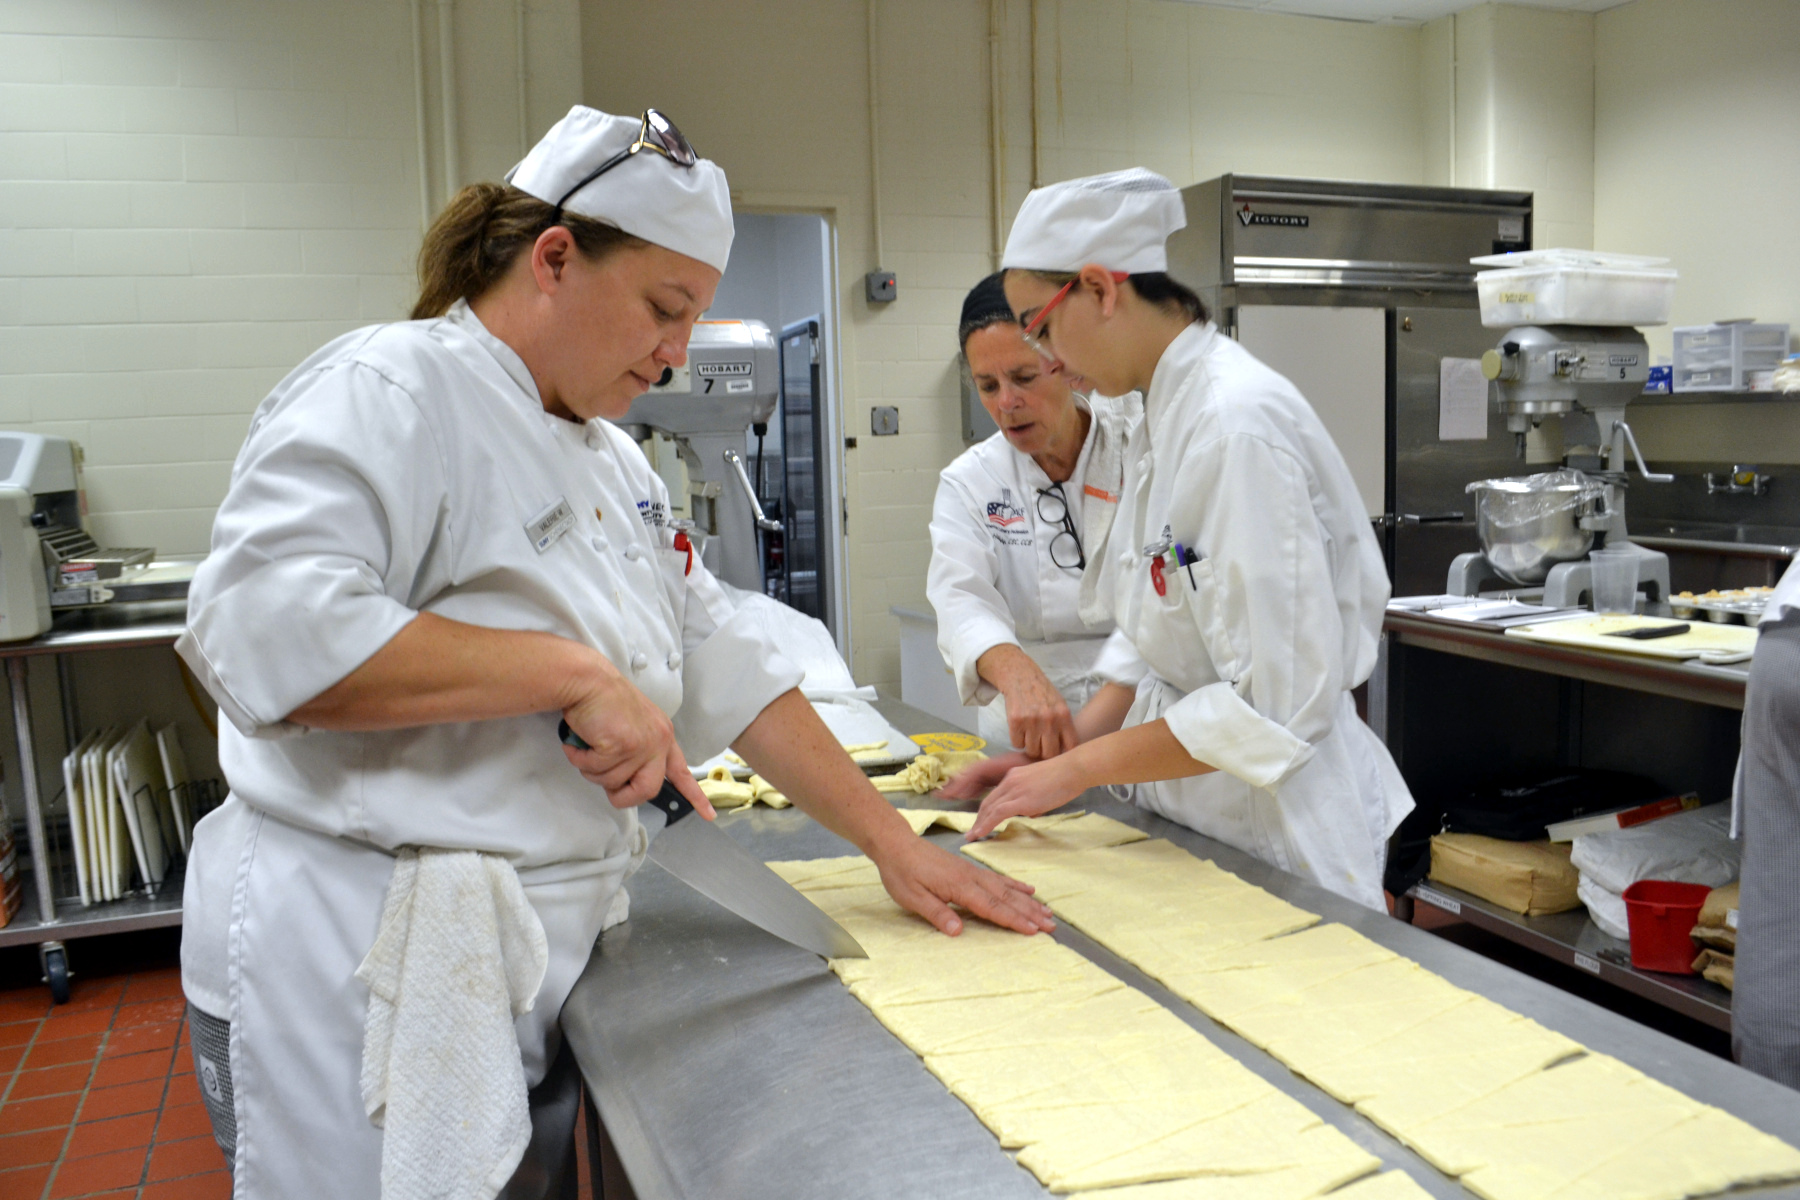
547 526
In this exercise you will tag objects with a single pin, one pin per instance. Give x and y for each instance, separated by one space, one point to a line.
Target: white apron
404 469
1252 651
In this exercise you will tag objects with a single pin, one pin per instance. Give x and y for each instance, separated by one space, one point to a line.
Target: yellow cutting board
1704 640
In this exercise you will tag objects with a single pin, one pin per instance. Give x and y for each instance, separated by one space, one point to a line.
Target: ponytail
483 229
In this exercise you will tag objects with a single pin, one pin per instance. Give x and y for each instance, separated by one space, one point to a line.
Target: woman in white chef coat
1241 567
1008 529
434 546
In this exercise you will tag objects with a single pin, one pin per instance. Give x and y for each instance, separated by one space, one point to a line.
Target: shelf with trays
51 912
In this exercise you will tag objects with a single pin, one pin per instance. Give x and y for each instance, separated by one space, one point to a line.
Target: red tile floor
99 1096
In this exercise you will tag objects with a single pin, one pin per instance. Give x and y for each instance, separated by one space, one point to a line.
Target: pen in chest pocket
1180 557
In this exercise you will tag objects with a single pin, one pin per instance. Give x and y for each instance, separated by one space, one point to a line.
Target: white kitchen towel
460 954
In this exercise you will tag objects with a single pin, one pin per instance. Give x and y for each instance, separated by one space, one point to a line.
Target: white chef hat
1119 221
686 209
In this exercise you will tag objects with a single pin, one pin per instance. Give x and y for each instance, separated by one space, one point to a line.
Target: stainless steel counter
724 1062
1722 686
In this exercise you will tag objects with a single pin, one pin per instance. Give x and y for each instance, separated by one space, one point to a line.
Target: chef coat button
633 553
593 439
639 661
674 660
599 543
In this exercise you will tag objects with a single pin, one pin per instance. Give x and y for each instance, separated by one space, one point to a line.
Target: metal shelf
1722 687
1573 939
149 908
1672 399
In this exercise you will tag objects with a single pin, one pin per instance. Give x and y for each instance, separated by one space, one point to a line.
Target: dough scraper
710 861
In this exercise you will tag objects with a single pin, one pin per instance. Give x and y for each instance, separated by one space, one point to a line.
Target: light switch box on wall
884 419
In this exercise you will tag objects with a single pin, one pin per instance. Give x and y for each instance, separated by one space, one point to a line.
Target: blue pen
1187 559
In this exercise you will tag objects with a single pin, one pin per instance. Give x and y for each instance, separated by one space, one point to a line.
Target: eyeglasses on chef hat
637 173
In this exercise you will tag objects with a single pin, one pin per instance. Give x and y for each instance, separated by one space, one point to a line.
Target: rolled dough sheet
1475 1088
1093 1150
1094 1082
1391 1185
1284 1183
1594 1128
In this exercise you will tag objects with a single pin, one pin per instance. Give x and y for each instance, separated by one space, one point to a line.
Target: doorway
781 273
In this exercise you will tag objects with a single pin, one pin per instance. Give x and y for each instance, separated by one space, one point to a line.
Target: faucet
1743 480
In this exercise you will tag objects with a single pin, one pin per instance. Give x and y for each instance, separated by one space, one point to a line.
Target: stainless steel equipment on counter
1528 526
1582 377
47 557
1358 293
693 421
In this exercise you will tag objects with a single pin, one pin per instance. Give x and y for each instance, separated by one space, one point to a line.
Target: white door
1337 357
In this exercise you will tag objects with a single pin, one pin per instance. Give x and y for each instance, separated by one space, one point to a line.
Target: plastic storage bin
1720 358
1662 914
1573 287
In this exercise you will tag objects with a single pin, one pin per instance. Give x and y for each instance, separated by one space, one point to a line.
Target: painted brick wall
196 194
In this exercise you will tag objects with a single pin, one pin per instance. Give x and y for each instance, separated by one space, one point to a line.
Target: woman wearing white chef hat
435 546
1008 527
1241 569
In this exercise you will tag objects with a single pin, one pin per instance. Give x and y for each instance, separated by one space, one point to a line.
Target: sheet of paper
1462 401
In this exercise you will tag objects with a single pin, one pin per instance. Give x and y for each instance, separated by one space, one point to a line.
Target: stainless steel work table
1722 686
724 1062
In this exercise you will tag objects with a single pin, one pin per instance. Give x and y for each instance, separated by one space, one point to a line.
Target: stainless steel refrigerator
1358 293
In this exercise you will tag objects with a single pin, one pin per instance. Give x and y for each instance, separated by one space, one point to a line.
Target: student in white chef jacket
432 548
1008 529
1241 568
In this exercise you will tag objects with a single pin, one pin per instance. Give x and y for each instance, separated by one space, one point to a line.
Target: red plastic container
1661 915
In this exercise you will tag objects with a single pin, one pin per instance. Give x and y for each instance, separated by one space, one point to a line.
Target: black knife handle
1648 633
669 801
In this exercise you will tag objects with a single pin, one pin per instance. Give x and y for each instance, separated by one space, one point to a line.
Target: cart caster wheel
56 972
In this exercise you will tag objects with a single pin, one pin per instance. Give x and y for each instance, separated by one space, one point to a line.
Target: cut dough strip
1475 1088
1095 1084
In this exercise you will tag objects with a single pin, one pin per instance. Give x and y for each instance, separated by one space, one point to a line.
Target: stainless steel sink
1775 539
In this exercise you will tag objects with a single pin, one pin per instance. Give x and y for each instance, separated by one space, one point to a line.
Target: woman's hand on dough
977 778
631 745
1028 791
929 880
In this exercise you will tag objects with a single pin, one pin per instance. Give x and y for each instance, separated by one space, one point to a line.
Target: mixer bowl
1529 524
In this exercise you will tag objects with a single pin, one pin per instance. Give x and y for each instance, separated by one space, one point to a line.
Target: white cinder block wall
196 194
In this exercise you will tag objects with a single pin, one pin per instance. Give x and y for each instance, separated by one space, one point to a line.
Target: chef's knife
711 862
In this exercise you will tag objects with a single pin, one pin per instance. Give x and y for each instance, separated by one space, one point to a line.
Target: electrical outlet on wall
884 420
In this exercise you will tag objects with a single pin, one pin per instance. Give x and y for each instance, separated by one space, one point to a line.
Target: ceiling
1404 12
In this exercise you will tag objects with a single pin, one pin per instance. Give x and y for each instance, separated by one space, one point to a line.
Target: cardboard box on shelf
1532 878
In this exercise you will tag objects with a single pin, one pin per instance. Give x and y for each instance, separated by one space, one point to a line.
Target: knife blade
710 861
